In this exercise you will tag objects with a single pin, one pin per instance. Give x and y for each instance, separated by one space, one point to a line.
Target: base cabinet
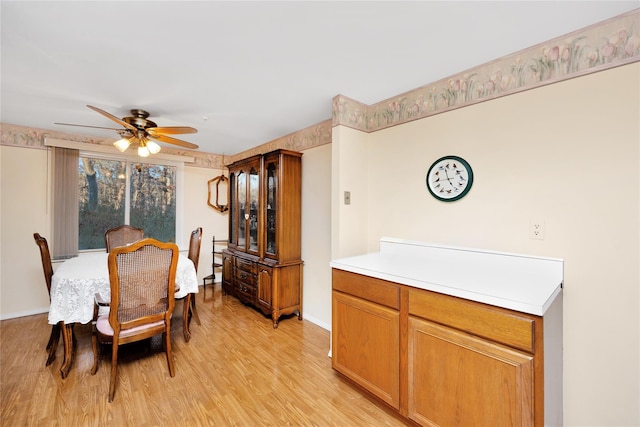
367 345
273 289
437 359
456 379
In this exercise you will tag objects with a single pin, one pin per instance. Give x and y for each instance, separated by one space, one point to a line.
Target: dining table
75 284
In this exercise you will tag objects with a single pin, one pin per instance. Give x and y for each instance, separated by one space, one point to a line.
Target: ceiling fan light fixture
143 151
153 147
122 144
138 128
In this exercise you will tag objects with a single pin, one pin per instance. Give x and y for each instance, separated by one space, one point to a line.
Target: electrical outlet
536 229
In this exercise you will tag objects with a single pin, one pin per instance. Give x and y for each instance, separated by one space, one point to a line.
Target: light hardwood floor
236 371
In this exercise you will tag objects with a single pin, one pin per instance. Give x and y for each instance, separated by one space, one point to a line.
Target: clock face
449 178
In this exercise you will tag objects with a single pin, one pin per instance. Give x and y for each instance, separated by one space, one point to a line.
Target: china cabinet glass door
242 208
254 191
271 189
233 211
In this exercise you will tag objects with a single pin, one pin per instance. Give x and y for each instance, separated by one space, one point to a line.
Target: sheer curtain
65 202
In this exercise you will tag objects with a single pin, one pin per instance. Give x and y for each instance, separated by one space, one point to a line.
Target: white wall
568 154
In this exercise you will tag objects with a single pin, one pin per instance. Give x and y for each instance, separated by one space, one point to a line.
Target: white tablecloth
77 280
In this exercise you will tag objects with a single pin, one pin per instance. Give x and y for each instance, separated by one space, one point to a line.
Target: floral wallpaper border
21 136
602 46
599 47
313 136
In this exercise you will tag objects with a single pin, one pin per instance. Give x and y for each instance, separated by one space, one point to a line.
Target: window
116 191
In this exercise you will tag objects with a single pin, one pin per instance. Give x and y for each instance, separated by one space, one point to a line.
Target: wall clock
449 178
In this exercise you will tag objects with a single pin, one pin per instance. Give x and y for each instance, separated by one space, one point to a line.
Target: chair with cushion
189 307
56 330
142 280
122 236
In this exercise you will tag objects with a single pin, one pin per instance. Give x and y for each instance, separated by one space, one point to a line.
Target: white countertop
518 282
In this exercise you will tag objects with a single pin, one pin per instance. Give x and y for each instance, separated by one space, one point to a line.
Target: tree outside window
115 192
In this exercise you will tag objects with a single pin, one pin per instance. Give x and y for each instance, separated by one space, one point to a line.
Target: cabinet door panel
366 345
227 273
456 379
265 290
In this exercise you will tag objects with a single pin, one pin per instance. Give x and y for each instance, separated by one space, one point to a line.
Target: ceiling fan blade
171 130
86 126
114 118
174 141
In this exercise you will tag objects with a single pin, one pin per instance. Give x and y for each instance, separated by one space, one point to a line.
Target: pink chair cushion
105 328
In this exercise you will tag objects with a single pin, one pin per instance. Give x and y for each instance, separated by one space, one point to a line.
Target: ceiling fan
137 128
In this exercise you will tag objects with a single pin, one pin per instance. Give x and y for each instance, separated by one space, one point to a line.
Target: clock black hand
447 174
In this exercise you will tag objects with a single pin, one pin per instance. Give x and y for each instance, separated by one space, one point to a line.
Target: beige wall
197 213
23 211
567 154
349 173
316 235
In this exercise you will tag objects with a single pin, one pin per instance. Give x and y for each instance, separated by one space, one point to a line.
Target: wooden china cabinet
261 265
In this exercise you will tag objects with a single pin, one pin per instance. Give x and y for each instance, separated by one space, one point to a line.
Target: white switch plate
347 197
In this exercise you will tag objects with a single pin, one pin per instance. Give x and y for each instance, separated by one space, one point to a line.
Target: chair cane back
122 235
142 280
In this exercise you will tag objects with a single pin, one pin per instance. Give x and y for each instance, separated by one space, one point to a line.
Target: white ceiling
245 73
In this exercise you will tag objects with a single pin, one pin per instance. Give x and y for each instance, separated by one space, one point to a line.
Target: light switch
347 197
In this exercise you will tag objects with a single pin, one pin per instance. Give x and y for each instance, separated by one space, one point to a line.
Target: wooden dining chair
142 281
189 303
56 330
122 236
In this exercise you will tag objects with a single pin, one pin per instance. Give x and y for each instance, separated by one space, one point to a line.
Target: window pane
101 198
153 200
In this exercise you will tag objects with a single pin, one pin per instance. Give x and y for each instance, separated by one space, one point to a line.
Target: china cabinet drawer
246 292
246 278
246 265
